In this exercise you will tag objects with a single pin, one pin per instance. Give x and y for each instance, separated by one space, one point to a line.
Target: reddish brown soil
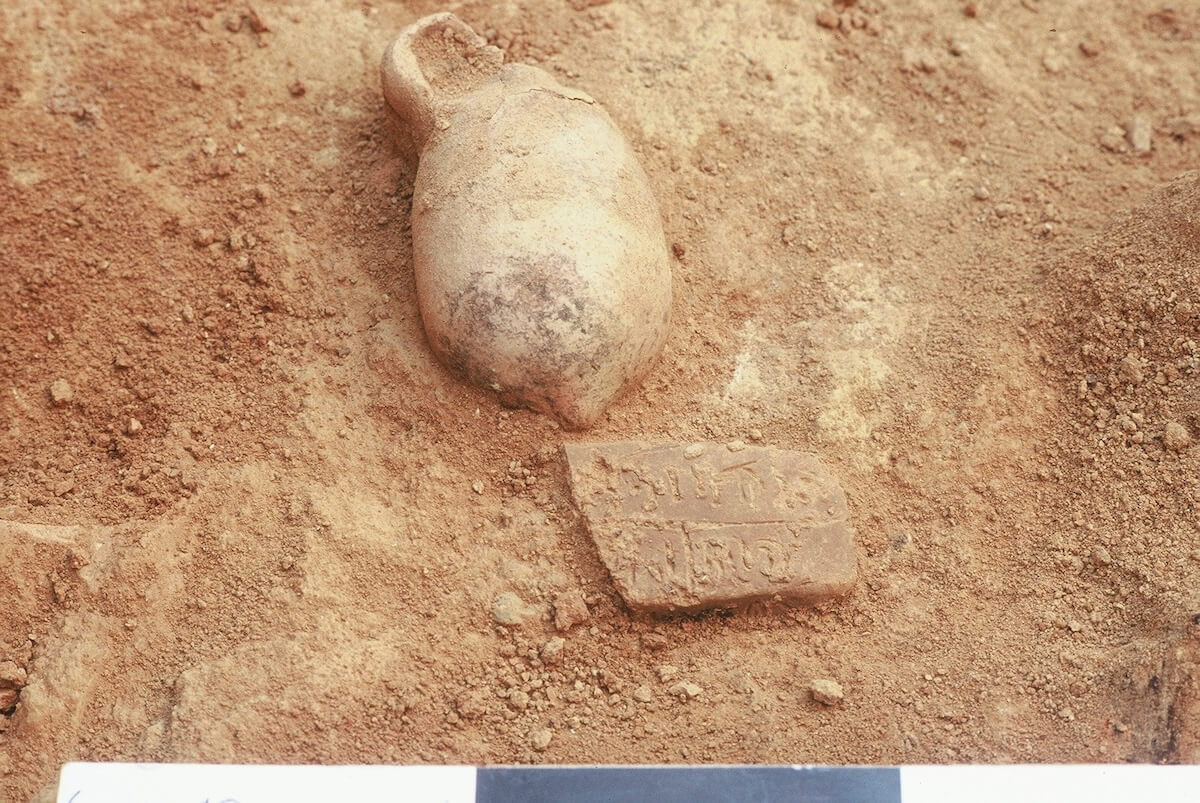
256 521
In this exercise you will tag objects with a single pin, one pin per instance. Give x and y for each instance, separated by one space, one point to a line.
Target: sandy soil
248 517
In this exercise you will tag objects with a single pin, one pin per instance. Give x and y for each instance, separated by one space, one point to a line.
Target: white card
1083 783
250 783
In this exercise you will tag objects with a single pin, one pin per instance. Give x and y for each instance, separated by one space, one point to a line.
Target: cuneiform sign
682 527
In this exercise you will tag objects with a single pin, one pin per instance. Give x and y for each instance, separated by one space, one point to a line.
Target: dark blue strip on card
687 784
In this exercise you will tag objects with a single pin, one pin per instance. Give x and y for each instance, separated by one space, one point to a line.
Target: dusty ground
244 528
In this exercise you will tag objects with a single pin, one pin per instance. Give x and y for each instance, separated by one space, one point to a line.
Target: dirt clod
1176 437
552 651
1184 127
570 609
826 691
510 610
540 738
61 393
685 690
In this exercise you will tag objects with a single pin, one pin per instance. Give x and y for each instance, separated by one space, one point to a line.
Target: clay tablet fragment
687 527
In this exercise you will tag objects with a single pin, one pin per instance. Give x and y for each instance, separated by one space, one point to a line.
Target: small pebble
685 689
1130 370
61 392
1137 132
666 672
570 609
552 651
1176 437
1052 63
509 610
826 691
540 738
133 426
654 641
643 694
1114 140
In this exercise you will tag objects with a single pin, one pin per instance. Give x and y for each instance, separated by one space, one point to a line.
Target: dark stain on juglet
523 302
